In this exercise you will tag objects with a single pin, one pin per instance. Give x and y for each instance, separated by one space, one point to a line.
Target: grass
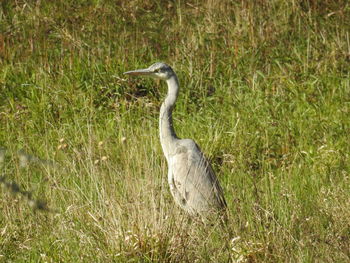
265 93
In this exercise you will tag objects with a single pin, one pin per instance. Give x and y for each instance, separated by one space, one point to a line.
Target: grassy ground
265 93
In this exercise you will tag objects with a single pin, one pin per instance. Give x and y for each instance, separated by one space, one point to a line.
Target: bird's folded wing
195 180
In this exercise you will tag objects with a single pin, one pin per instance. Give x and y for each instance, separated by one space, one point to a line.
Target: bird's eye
157 70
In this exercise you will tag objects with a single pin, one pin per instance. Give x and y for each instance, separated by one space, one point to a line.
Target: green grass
265 92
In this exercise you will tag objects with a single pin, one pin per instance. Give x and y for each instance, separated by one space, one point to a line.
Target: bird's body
192 181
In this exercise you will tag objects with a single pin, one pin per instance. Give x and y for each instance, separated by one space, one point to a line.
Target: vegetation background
265 93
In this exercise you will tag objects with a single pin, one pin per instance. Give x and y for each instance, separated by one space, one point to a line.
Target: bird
193 183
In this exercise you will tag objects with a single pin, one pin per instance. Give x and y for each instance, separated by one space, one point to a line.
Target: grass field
265 92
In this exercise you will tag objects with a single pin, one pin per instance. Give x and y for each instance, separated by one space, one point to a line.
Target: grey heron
192 181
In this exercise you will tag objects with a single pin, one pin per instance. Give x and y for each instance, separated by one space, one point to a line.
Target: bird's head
158 70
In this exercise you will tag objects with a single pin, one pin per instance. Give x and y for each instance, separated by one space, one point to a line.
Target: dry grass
265 93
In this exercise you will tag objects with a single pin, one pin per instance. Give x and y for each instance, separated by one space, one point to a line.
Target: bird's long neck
166 128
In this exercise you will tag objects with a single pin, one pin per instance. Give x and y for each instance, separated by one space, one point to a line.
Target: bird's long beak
139 72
